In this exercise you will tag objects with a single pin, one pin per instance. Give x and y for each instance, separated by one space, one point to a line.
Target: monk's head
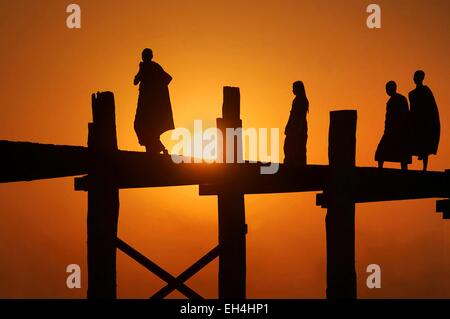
298 88
391 88
418 77
147 55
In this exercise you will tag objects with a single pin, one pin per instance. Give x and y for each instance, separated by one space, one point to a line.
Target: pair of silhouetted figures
408 132
154 112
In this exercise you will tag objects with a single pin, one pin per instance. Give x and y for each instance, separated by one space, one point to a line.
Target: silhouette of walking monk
394 146
296 130
154 111
426 127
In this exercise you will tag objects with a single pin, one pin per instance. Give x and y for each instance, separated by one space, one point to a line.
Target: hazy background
48 73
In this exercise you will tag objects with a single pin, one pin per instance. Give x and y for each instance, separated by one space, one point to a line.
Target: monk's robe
154 111
296 132
395 145
425 124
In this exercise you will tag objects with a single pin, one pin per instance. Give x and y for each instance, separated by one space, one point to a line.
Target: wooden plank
374 185
23 161
158 271
188 273
136 170
141 170
248 180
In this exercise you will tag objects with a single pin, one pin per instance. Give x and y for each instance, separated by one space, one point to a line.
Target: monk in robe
154 111
296 130
425 124
394 146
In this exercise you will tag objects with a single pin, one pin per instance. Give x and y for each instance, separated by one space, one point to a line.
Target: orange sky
48 73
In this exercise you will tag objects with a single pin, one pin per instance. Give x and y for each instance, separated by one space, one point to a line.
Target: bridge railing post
231 207
340 218
103 199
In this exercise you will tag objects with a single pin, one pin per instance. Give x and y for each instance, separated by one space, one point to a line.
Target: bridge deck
21 161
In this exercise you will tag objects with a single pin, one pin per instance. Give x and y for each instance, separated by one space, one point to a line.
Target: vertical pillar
231 207
103 199
340 219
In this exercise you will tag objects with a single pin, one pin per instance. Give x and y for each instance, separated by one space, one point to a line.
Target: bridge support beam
340 218
231 207
103 199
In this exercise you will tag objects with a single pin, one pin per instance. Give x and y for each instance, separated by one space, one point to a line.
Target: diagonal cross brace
188 273
158 271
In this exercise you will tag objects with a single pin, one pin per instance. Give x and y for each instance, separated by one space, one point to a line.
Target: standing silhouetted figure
154 111
425 124
394 146
296 130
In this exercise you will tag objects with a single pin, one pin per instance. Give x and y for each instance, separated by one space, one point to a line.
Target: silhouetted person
425 124
296 130
395 146
154 111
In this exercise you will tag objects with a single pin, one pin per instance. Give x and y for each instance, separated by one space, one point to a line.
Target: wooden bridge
106 170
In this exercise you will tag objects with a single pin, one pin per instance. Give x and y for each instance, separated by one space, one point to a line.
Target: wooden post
340 219
103 199
231 208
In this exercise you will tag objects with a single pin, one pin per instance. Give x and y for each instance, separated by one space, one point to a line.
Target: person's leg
380 164
161 147
149 148
425 163
152 146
